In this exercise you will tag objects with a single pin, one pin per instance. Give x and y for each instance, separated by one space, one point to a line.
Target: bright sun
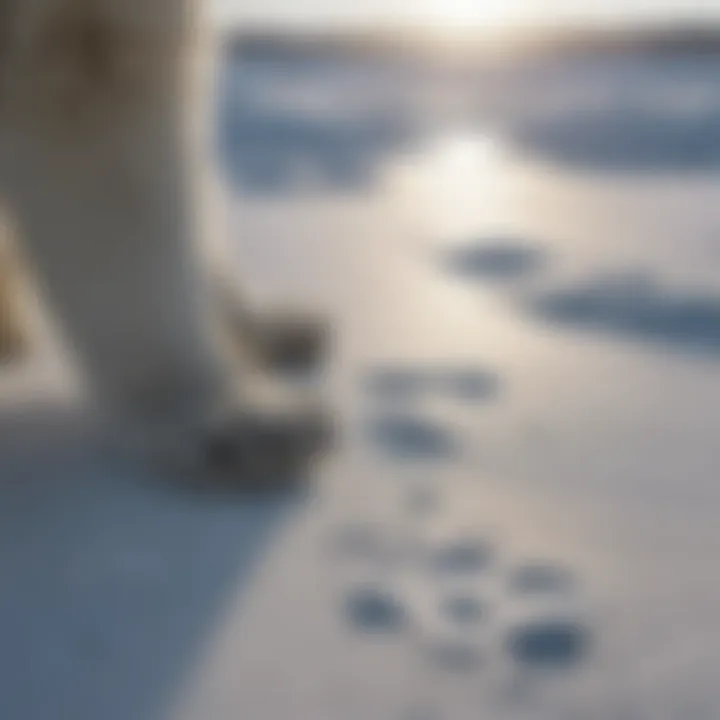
458 15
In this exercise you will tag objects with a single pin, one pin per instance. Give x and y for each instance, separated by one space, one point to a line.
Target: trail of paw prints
463 603
461 606
508 630
505 630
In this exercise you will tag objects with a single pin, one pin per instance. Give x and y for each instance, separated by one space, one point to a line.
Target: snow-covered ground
521 523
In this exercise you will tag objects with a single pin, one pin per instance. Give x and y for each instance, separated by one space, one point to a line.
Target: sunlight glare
459 15
459 175
451 187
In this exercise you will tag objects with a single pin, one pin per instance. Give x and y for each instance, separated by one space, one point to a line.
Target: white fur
102 140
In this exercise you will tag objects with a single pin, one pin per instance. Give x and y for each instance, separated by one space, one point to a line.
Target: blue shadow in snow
636 307
110 587
627 141
269 147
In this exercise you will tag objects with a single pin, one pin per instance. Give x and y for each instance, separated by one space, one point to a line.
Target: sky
460 13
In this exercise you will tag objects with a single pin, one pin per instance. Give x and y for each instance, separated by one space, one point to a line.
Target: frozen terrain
523 264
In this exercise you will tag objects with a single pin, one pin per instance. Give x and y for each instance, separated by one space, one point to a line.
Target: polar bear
103 171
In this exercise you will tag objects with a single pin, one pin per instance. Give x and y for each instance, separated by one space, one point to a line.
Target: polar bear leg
101 148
